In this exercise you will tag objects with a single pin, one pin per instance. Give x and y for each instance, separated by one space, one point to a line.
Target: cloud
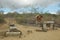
14 4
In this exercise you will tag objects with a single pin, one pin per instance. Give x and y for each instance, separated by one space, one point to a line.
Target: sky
21 5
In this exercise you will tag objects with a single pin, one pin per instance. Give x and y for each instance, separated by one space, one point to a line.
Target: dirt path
50 35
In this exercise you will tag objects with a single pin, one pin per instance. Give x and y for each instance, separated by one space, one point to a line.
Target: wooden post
54 27
51 26
44 27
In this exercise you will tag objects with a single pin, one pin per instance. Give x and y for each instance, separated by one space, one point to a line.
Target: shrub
2 19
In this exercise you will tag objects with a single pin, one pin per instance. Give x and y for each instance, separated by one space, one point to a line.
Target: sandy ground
34 35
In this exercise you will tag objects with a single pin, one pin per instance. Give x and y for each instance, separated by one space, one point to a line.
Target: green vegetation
28 18
2 20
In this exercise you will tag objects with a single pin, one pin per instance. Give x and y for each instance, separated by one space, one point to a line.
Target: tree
2 17
12 15
58 12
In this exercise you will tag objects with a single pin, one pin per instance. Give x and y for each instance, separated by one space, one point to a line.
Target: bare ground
33 34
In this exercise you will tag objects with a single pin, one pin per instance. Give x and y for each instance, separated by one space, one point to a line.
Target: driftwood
51 25
29 31
14 32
